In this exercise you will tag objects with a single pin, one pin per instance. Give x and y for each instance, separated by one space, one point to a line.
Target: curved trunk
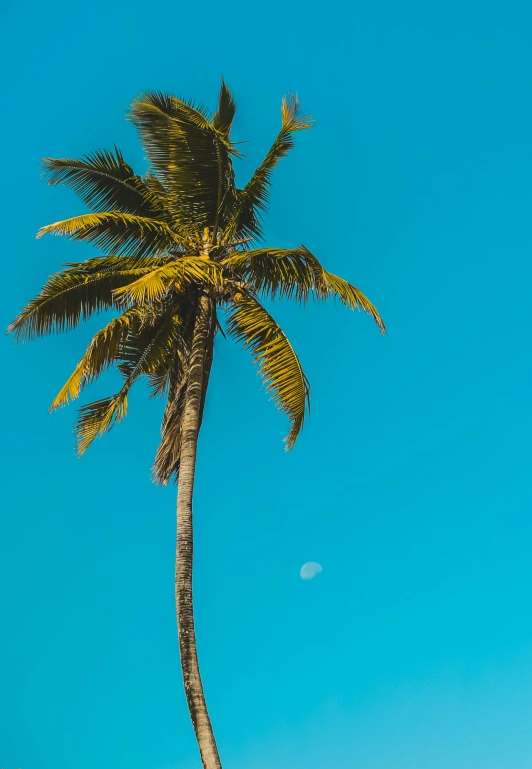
198 374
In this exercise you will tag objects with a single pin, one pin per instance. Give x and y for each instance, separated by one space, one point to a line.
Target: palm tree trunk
200 353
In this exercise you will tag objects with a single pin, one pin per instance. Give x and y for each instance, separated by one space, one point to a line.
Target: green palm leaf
104 180
71 296
189 154
100 416
329 286
119 233
168 457
253 199
177 274
224 115
281 272
296 274
252 325
102 351
151 345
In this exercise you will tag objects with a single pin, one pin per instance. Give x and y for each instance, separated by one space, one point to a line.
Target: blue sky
411 481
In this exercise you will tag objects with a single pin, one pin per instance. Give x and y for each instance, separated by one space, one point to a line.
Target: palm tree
179 248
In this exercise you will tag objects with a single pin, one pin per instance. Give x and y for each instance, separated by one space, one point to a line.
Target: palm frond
102 351
190 156
296 274
167 459
329 285
224 115
176 273
159 379
76 293
252 325
149 347
253 199
274 271
103 179
119 233
98 417
113 262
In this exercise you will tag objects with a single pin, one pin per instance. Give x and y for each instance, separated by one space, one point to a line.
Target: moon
309 570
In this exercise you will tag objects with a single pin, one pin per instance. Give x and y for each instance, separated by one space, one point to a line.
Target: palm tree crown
180 231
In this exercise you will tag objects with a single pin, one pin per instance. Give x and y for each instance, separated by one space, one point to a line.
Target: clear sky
411 481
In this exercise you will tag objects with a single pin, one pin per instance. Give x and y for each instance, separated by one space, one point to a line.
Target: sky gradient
410 483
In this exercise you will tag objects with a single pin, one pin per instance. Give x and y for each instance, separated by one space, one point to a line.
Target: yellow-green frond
252 325
119 233
224 115
102 351
295 273
177 273
151 348
189 154
167 458
74 295
329 285
98 417
140 354
274 271
254 197
103 179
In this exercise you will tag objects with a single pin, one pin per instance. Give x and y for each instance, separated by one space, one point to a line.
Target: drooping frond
177 273
253 199
102 351
274 271
98 417
160 378
167 459
148 348
103 179
190 156
224 115
170 367
119 233
296 273
77 293
252 325
329 285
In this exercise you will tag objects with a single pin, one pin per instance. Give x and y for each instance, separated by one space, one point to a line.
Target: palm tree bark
200 356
